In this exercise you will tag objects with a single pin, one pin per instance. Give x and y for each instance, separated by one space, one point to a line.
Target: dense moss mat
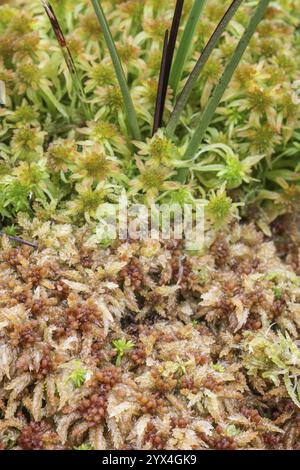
141 346
144 345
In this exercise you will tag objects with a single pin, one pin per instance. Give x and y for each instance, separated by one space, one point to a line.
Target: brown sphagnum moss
84 363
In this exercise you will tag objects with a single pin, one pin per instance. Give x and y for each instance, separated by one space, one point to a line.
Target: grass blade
131 114
224 81
19 240
66 53
185 44
159 99
171 49
188 88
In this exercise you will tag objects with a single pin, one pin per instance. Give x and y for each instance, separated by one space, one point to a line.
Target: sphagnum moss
94 356
134 345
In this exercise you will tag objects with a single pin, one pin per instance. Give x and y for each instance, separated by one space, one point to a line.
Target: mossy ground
142 345
139 346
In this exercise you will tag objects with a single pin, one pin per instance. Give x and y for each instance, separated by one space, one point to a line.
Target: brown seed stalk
171 49
66 52
166 65
55 24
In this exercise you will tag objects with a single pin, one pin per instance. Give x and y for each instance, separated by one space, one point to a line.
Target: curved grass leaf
188 88
219 90
130 111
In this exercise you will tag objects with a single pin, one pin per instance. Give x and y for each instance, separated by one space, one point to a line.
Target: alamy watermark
155 222
2 94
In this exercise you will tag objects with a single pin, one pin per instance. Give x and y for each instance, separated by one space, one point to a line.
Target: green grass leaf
185 44
188 88
218 92
128 103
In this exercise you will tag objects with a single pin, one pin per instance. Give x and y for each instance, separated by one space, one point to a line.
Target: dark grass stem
128 103
185 44
67 55
170 50
188 88
19 240
223 83
160 90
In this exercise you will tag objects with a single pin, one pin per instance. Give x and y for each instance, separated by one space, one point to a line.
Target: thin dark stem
171 50
19 240
66 53
159 99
